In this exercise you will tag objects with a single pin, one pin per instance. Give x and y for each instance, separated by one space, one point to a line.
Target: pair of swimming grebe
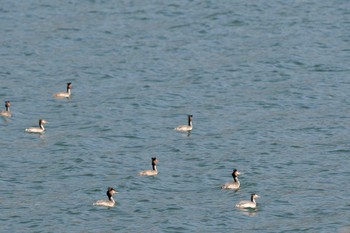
110 191
41 128
236 185
7 113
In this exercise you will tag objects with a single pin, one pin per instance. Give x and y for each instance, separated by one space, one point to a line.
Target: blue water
267 83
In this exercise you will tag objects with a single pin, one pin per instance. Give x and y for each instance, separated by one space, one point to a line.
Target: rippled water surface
267 84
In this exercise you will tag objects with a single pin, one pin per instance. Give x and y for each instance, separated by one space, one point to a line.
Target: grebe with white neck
235 184
39 129
152 172
187 127
64 94
6 112
110 202
248 204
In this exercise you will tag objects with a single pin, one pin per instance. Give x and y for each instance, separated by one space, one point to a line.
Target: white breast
34 130
148 173
184 128
246 204
62 95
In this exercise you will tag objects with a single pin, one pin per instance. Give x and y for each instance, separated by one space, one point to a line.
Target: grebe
235 184
151 172
64 94
6 112
39 129
185 127
110 202
248 204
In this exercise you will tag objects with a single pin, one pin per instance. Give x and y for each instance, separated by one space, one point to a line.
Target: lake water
267 83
